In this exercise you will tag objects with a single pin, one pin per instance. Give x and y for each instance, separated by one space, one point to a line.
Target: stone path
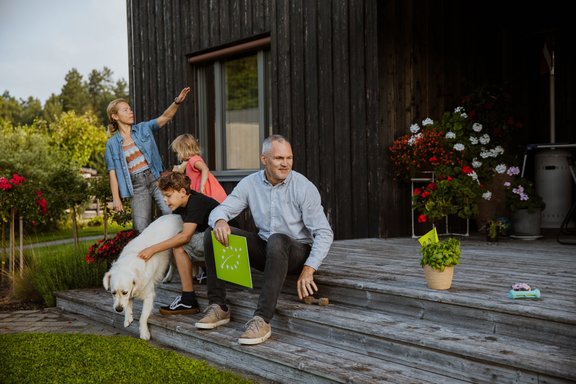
52 320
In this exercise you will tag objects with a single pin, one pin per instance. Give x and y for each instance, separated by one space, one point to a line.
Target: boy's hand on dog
221 232
146 253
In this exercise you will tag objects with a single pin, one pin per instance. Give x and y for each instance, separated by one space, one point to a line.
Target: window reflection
242 136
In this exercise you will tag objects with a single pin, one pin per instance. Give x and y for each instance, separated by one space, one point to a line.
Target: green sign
232 262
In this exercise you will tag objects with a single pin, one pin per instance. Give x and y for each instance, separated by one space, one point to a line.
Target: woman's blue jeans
145 190
279 256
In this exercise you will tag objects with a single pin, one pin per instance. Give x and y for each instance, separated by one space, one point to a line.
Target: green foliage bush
53 269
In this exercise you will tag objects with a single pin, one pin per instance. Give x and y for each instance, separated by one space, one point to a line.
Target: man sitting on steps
294 236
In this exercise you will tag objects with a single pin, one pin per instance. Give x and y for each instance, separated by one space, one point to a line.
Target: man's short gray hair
267 143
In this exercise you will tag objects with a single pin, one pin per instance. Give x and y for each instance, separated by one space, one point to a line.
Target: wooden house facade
341 79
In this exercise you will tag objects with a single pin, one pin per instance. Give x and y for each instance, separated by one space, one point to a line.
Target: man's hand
221 232
306 285
146 253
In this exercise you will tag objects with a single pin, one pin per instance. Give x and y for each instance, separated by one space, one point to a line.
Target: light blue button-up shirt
292 207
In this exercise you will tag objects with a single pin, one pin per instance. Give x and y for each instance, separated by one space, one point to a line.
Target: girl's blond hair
185 146
112 109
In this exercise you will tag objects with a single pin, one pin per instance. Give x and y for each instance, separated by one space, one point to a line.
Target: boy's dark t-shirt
197 210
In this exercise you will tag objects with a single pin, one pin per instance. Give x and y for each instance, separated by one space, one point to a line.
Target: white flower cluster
461 111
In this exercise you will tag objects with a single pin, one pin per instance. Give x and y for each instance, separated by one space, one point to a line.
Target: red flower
417 192
17 179
425 194
422 218
5 184
108 250
431 186
467 170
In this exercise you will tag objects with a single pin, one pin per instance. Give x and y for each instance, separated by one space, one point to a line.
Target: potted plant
462 157
438 260
494 228
526 207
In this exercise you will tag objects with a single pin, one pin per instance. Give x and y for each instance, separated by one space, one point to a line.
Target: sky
42 40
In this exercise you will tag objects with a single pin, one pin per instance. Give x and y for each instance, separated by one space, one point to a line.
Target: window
234 111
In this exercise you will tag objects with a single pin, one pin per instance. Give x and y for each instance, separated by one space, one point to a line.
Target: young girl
133 159
202 180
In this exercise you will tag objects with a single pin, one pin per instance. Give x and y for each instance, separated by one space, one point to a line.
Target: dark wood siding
349 76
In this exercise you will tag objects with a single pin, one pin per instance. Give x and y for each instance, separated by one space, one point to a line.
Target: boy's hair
186 146
174 181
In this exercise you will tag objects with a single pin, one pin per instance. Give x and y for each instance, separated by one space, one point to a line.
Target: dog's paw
128 321
144 334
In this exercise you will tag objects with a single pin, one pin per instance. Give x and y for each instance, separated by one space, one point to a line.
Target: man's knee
278 243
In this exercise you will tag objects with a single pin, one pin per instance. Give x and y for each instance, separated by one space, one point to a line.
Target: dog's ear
106 281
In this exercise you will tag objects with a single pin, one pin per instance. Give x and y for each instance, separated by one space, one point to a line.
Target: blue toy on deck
523 291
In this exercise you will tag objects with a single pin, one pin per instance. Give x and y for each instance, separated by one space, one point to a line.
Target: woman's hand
182 96
117 205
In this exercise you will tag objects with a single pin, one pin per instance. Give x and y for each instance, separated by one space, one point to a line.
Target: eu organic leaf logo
230 258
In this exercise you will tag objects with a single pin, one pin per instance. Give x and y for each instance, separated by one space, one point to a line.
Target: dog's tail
106 281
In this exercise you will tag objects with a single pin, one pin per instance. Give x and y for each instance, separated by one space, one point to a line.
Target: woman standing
133 159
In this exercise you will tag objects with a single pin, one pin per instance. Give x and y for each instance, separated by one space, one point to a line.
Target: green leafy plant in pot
438 260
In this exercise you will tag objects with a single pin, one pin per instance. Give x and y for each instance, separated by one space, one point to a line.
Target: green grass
77 358
30 358
66 233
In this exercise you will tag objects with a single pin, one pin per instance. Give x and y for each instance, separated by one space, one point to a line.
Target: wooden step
447 351
285 357
384 325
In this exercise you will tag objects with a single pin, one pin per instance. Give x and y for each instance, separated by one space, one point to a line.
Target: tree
10 109
102 91
31 110
80 138
74 94
52 108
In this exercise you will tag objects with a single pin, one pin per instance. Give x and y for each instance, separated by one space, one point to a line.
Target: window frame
209 72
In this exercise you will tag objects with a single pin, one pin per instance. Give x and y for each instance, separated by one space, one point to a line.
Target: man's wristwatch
176 101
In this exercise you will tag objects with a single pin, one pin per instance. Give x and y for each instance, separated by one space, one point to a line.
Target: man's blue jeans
277 257
145 190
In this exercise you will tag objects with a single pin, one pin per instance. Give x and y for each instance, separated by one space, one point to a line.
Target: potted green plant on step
494 228
438 260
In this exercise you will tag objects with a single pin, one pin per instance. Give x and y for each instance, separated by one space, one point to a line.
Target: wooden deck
384 325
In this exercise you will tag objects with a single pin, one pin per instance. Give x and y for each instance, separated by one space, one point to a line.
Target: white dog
131 277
